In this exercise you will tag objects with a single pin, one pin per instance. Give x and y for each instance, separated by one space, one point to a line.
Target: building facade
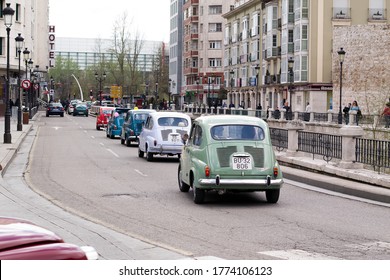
203 50
31 21
283 52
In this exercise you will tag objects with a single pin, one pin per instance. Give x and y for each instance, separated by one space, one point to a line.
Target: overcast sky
96 18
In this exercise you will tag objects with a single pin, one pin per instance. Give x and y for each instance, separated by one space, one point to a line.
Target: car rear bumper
166 150
244 184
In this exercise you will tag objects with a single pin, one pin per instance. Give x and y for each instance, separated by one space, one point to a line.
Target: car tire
149 156
47 115
272 196
199 195
112 136
182 186
140 153
122 141
128 142
62 115
86 115
97 127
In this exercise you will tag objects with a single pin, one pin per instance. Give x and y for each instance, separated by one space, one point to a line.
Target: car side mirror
184 138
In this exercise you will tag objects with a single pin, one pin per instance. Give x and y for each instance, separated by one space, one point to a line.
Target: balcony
341 13
377 14
190 70
190 3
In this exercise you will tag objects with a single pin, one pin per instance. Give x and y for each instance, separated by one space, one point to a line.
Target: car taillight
276 172
207 171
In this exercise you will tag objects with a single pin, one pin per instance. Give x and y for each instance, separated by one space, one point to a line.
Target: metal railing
373 152
329 146
279 138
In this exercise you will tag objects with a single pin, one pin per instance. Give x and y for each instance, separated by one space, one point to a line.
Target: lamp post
19 45
231 83
8 12
197 86
26 56
341 54
291 80
100 79
257 68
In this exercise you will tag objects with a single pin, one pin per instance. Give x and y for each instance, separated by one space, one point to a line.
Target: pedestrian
11 105
259 107
355 108
288 111
346 112
307 112
386 114
308 108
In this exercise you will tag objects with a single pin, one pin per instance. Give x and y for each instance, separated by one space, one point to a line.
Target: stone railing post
349 133
293 127
270 114
330 116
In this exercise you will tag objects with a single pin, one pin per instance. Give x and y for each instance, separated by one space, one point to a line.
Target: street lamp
231 83
291 79
100 79
197 87
19 45
8 13
257 68
341 54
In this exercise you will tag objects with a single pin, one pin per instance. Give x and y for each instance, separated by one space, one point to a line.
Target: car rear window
237 132
172 121
140 117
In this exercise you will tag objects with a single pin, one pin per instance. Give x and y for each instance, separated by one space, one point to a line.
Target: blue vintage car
229 153
115 122
132 125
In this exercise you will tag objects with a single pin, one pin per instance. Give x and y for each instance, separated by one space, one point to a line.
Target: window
1 8
215 10
197 136
17 13
2 40
304 37
215 45
215 27
215 62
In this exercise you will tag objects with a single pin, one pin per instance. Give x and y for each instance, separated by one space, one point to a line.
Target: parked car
115 122
162 134
55 109
80 109
229 153
23 240
102 117
132 125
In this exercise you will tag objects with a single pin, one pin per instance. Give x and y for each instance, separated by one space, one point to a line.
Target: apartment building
31 21
281 52
203 48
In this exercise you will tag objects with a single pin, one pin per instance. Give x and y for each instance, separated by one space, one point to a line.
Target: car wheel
140 153
198 195
272 196
182 186
149 156
112 136
62 115
47 115
128 142
122 141
86 115
97 127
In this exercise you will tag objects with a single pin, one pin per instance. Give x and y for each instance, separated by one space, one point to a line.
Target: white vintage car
162 134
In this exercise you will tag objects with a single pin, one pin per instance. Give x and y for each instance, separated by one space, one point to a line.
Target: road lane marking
93 137
140 173
85 131
112 152
101 144
297 255
57 127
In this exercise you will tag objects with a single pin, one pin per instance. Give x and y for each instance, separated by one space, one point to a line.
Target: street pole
8 12
100 79
291 78
341 54
19 44
257 67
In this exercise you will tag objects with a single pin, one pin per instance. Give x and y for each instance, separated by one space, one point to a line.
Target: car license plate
242 163
175 138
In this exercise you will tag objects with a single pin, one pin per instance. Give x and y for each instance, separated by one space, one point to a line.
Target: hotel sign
52 39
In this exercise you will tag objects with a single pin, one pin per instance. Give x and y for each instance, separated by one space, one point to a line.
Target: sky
96 18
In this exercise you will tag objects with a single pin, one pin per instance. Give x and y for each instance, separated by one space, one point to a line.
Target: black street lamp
8 13
231 83
291 80
341 54
257 68
26 56
100 79
197 86
19 45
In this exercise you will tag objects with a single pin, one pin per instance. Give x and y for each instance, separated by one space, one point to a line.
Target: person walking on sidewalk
386 114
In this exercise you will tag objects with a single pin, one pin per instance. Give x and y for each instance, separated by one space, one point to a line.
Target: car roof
212 120
143 111
170 114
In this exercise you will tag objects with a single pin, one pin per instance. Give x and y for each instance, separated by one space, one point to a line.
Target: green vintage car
229 153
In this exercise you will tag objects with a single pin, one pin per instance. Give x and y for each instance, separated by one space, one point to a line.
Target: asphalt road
83 171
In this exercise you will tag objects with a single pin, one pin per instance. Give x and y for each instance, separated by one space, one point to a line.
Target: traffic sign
26 84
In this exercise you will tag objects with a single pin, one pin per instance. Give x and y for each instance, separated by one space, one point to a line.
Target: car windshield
237 132
172 121
140 117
